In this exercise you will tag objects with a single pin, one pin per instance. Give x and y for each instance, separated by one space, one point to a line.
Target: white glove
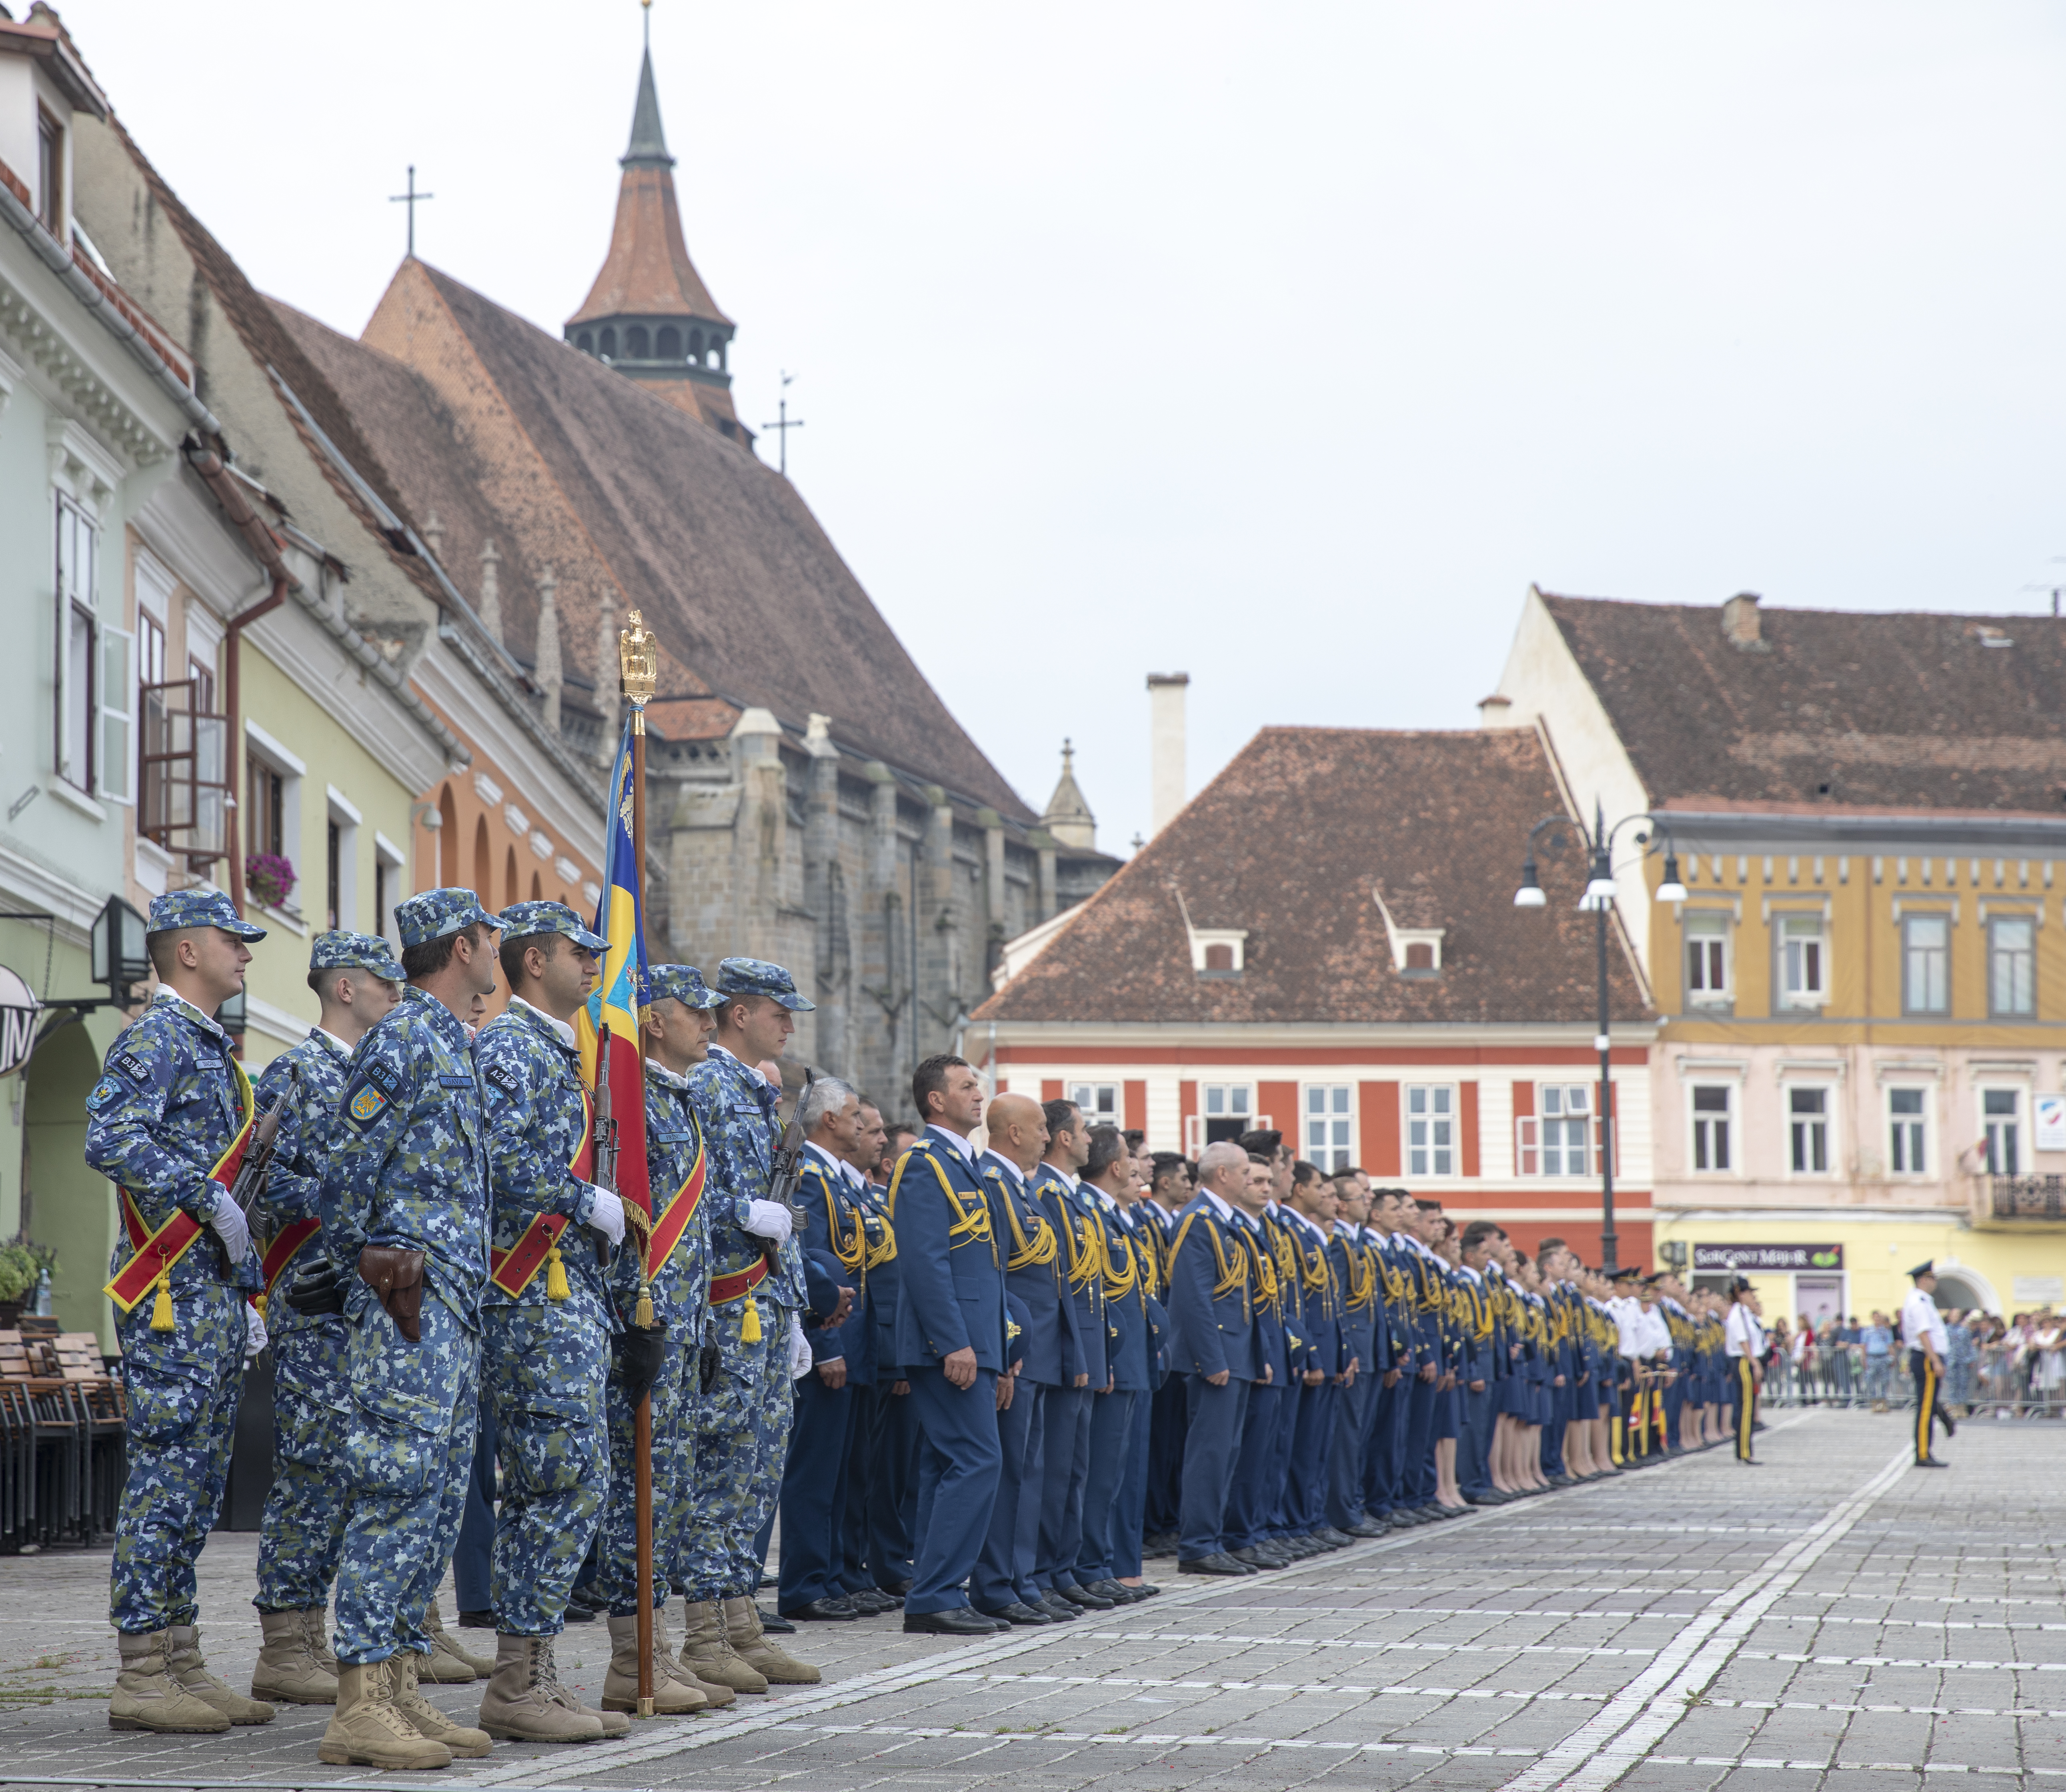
254 1331
768 1219
608 1217
799 1346
233 1228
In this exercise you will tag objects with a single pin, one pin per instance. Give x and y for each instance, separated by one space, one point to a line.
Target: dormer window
49 173
1416 951
1219 951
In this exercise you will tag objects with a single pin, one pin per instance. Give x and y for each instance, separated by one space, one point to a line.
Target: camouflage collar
531 1015
171 998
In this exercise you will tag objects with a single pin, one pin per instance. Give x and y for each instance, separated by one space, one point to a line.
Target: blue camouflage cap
435 913
755 976
523 920
354 951
682 983
200 908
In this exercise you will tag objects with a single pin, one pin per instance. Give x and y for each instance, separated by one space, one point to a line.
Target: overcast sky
1284 345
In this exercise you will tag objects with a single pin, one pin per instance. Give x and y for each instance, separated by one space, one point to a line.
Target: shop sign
18 1010
2049 1114
1772 1257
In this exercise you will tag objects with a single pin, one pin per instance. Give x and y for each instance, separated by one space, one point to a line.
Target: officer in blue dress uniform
405 1243
165 1123
1211 1345
356 980
1352 1254
950 1343
876 1549
1306 1223
1252 1503
1001 1585
1169 1190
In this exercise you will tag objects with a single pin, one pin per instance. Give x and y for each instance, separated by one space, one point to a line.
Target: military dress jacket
1034 1258
408 1165
742 1132
1083 1346
839 1226
1360 1287
168 1105
1211 1327
286 1221
950 1295
1129 1345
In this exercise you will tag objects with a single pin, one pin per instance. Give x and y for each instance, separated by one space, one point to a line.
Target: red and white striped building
1324 940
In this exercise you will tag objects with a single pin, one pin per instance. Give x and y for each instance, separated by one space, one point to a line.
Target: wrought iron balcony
2027 1197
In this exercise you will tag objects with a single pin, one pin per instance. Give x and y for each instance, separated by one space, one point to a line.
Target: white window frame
75 607
1565 1116
389 860
1700 1122
1909 922
1093 1114
1423 1129
346 816
1995 925
1335 1120
294 773
1704 927
1801 977
2015 1160
1832 1151
1917 1129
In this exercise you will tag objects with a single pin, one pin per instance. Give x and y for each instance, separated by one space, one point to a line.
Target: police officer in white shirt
1743 1338
1922 1333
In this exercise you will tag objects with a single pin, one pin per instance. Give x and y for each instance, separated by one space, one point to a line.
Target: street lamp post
1599 897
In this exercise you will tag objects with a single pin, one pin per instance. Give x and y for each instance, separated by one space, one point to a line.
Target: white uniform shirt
1920 1319
1742 1336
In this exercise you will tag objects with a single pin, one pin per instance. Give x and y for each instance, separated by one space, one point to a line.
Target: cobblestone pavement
1833 1618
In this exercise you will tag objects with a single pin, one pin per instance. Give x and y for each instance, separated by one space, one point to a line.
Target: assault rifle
250 1183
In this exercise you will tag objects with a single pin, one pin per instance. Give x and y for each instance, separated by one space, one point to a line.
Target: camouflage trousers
183 1387
302 1531
545 1368
408 1458
742 1439
675 1397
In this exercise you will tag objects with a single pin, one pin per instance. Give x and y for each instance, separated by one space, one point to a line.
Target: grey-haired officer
547 1318
756 1293
356 980
405 1241
168 1123
678 1023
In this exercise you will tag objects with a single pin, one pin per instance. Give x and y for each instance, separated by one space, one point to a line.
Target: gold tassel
555 1276
258 1303
749 1322
161 1309
642 1318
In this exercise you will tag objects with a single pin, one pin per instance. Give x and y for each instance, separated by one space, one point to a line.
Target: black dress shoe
1084 1597
774 1621
1369 1527
823 1611
1218 1563
1252 1559
1108 1589
1015 1613
1932 1462
1147 1590
476 1621
1333 1539
871 1604
1056 1608
957 1620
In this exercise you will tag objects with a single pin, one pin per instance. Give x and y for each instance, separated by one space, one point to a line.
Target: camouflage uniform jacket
742 1132
536 1111
674 1142
293 1181
164 1111
408 1164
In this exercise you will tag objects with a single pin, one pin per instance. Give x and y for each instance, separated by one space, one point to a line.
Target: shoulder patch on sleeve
503 1079
368 1095
106 1091
128 1064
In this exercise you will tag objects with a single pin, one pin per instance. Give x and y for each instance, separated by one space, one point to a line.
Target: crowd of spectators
2013 1367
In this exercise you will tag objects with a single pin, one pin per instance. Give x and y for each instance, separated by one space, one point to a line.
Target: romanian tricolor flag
620 988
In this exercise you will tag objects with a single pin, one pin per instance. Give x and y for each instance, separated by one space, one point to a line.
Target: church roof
1067 816
647 271
635 505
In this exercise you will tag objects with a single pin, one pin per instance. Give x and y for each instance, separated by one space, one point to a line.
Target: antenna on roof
2056 591
784 423
411 199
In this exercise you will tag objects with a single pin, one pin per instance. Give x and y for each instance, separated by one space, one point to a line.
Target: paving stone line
1600 1751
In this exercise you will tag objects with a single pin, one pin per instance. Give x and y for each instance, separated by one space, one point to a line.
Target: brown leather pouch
397 1276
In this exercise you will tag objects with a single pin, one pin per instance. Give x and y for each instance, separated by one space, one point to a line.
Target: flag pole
639 664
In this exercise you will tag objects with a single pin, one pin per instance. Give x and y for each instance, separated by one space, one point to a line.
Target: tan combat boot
404 1666
519 1704
614 1723
671 1698
314 1625
288 1671
714 1696
148 1697
448 1665
707 1653
184 1663
741 1623
366 1730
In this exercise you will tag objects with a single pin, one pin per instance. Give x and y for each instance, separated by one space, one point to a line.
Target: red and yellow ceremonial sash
674 1219
725 1290
153 1254
512 1270
279 1253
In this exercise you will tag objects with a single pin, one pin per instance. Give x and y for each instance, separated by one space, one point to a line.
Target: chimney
1740 620
1495 711
1167 787
491 589
547 673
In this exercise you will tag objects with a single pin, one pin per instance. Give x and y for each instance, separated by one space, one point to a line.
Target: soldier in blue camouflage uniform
407 1191
678 1024
171 1103
356 980
756 1292
547 1318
